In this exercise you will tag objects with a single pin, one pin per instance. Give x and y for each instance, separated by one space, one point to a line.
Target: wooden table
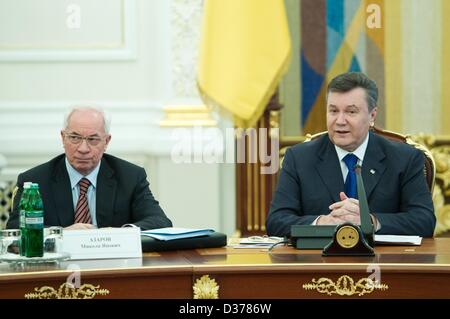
403 272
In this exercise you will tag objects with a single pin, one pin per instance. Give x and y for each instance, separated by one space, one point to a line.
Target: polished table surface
402 272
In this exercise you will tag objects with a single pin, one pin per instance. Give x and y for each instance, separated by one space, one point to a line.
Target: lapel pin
372 171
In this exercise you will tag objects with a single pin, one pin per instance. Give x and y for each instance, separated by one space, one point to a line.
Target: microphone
367 227
350 239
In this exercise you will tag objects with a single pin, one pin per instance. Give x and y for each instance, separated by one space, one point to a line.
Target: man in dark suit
85 188
316 188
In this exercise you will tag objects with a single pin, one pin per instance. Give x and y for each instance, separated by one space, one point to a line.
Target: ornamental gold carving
440 149
67 291
441 196
206 288
344 286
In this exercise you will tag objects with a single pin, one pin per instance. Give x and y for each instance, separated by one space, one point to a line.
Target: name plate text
103 243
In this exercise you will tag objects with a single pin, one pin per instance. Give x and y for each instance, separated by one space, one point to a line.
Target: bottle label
34 220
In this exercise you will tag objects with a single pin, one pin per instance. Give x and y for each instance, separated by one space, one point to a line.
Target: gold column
187 115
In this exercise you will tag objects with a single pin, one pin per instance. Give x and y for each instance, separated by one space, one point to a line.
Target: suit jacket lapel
105 195
62 194
329 169
373 167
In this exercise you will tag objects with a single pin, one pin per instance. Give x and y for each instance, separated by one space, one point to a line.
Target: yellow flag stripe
245 49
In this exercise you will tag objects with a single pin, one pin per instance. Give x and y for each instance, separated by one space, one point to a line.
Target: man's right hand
346 210
329 220
80 226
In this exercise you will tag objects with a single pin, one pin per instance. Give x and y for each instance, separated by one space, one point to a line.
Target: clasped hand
347 210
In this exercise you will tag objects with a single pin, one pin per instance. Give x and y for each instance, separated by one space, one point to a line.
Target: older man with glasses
85 188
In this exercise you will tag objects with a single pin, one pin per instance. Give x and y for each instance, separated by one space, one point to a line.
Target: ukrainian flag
244 51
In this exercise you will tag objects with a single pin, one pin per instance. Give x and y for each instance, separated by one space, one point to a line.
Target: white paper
398 240
258 242
246 246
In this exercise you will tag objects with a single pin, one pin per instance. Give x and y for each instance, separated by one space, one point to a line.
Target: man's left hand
347 209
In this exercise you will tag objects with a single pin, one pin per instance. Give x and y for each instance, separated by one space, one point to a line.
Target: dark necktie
82 210
350 182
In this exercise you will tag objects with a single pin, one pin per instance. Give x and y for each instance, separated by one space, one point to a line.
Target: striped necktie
82 210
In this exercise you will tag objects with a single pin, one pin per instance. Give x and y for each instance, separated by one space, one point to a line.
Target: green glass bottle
22 206
34 223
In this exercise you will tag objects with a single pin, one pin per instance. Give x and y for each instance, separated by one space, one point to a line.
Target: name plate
103 243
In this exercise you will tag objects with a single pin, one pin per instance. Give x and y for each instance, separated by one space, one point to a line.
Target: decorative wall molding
125 50
33 128
185 24
186 107
187 115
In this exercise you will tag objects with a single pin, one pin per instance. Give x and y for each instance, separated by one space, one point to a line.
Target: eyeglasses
77 139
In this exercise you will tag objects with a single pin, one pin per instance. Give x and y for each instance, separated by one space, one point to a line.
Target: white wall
132 57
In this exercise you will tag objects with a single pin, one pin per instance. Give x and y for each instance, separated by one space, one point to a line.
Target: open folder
172 233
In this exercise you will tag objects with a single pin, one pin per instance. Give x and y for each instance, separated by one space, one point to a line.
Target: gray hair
106 117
